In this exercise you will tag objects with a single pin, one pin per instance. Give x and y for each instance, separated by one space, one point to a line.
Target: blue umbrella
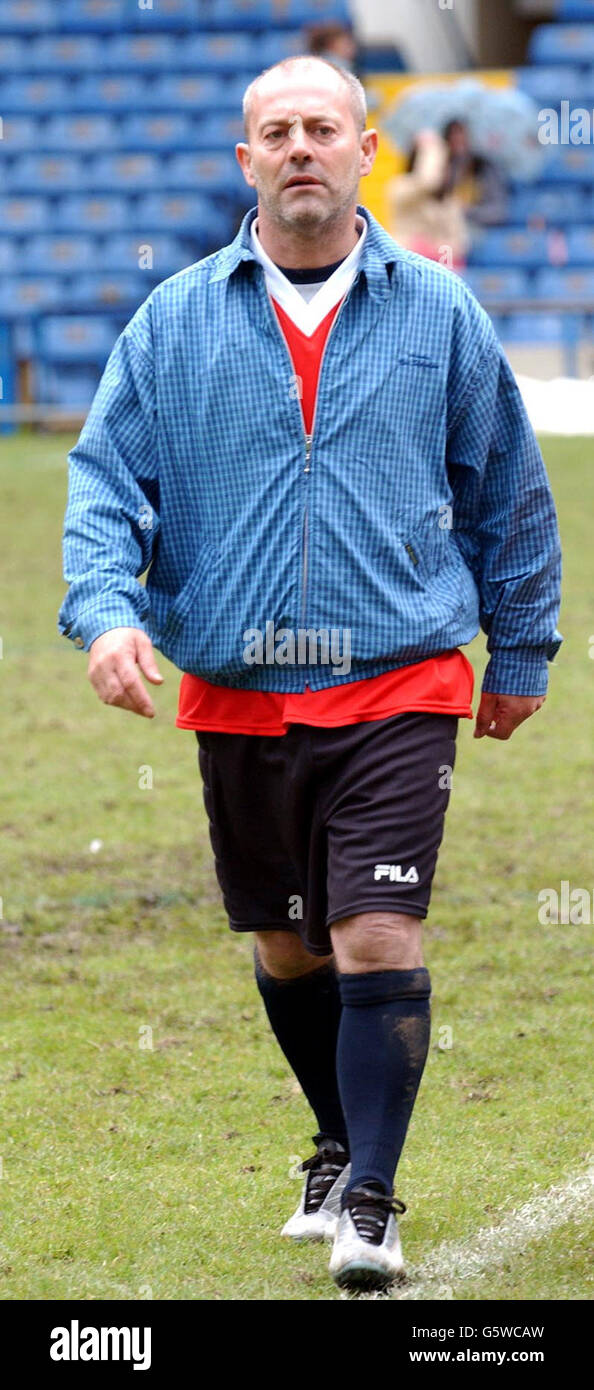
502 121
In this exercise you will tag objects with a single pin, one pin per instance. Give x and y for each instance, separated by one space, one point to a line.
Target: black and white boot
328 1172
366 1253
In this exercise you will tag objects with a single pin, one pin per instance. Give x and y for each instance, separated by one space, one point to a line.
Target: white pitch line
468 1259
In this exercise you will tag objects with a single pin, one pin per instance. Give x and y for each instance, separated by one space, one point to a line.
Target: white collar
308 316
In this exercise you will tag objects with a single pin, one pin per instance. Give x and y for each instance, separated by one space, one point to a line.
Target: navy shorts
321 823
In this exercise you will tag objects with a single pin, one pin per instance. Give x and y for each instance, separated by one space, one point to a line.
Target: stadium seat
58 255
72 338
204 173
27 16
13 53
569 164
550 85
181 92
490 286
84 133
94 14
29 95
8 256
168 14
536 328
158 132
70 390
572 286
58 53
580 244
104 93
155 257
188 212
22 296
502 246
576 9
562 43
106 291
211 53
216 132
19 133
128 173
552 205
140 52
266 14
92 213
44 173
22 215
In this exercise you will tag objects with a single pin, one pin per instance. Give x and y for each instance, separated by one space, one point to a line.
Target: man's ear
244 159
369 144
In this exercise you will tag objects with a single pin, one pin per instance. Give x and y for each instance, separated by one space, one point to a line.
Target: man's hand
113 659
499 715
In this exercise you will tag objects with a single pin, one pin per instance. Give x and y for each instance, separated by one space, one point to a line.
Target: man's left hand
499 715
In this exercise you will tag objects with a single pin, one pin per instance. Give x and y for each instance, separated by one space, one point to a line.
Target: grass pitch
150 1129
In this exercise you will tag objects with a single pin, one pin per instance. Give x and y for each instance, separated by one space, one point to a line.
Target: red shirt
439 685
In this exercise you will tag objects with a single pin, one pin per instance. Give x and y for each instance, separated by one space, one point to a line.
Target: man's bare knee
377 941
284 956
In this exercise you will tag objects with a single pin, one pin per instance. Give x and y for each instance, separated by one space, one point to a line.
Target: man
391 495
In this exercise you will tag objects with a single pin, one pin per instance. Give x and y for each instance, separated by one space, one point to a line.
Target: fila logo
395 874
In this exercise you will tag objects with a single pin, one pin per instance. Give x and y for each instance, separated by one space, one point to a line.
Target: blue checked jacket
417 511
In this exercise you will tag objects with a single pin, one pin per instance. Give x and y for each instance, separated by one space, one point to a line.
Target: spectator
425 214
475 179
335 42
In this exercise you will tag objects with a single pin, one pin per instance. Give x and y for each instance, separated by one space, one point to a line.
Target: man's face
305 154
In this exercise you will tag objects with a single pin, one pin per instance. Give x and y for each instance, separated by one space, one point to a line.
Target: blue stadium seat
19 133
29 95
492 285
57 255
266 14
69 389
98 94
569 164
515 246
27 16
158 132
23 215
155 257
576 9
8 256
537 329
580 244
92 213
140 52
210 53
216 132
128 173
94 15
13 53
75 338
550 85
21 296
214 173
188 212
84 133
105 291
553 205
181 92
58 53
573 286
168 14
562 43
44 173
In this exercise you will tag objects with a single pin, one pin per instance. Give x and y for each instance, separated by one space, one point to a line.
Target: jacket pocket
430 550
192 594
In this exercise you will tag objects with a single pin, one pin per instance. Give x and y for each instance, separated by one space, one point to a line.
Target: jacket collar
379 251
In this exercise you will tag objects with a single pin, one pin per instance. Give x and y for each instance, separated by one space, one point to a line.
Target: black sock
383 1042
304 1014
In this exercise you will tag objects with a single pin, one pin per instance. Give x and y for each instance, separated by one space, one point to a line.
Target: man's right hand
113 661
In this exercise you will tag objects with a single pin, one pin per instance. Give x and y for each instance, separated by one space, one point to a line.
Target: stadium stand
117 165
537 271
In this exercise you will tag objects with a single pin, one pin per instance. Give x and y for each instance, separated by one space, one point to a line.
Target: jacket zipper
308 439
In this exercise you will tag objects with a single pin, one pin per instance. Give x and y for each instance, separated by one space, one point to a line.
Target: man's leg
302 1000
383 1037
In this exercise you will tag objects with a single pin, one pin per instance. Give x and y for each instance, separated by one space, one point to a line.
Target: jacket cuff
92 622
520 670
